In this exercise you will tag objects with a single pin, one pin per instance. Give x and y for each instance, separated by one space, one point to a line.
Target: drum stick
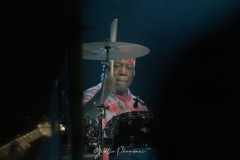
113 30
113 38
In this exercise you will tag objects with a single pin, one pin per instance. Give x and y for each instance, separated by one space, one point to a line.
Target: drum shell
139 129
90 133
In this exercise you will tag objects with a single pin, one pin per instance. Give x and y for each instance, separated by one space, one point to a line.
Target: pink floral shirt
116 103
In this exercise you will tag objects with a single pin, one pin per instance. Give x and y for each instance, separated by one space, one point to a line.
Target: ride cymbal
117 51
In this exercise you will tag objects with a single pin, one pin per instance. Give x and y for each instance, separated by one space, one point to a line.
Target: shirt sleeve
89 93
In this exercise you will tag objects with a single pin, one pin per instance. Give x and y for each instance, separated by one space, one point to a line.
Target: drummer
117 94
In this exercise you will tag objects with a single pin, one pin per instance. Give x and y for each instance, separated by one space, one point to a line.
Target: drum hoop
127 117
133 115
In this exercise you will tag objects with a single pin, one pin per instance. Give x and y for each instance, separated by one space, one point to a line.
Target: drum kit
128 132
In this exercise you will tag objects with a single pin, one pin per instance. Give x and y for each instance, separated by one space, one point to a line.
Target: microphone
135 105
137 100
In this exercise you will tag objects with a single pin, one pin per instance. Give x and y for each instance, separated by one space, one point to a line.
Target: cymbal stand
101 106
105 70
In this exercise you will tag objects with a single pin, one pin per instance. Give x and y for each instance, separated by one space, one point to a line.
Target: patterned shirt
117 104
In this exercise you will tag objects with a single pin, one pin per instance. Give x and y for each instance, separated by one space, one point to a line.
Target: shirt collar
129 96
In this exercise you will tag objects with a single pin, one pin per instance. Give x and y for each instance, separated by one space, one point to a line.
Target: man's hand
110 84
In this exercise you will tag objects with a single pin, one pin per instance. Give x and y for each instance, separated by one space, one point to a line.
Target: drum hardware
103 142
101 110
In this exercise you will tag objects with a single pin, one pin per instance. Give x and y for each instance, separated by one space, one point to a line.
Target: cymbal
118 50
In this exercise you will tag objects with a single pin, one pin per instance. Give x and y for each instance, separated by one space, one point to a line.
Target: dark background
191 76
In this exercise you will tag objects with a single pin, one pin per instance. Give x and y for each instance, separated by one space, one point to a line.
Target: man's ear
134 73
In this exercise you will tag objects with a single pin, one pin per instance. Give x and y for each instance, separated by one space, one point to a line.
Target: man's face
123 72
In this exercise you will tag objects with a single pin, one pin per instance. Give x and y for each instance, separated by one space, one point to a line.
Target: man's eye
130 68
116 65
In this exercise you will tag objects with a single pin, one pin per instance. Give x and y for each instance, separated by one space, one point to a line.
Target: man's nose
122 72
